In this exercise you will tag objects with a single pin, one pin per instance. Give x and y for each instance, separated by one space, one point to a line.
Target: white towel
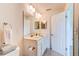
7 34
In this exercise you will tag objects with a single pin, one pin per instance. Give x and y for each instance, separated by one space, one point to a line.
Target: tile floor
49 52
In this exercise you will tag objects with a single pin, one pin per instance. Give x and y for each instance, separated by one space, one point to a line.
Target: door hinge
66 16
66 49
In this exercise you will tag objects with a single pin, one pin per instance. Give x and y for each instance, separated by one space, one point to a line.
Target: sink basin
34 36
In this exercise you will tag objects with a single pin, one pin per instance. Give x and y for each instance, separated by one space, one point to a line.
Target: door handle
51 34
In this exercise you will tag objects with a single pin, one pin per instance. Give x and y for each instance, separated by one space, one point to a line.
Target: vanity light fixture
44 21
38 15
33 10
30 8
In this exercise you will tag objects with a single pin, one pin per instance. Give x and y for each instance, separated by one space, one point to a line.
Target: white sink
32 38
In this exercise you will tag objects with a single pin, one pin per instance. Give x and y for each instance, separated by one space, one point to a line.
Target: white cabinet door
43 45
39 48
45 42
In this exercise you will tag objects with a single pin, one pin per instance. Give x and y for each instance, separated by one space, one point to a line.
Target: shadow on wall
1 38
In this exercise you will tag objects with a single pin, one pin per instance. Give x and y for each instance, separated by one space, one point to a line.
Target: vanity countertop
33 38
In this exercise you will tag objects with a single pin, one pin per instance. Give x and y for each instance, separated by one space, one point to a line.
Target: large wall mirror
32 24
28 23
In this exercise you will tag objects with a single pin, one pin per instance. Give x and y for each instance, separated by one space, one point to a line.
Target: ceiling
49 8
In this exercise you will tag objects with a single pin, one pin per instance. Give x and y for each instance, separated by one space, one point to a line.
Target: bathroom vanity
34 46
34 41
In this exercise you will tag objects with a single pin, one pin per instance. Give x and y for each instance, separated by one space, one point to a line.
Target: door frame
65 35
72 30
75 46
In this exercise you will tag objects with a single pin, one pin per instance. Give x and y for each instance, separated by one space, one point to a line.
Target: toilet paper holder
31 48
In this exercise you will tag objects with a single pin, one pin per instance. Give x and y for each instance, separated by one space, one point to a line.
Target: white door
58 33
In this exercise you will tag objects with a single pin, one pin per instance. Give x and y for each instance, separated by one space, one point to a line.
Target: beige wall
12 14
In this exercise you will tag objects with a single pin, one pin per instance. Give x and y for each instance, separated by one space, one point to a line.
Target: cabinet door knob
33 48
